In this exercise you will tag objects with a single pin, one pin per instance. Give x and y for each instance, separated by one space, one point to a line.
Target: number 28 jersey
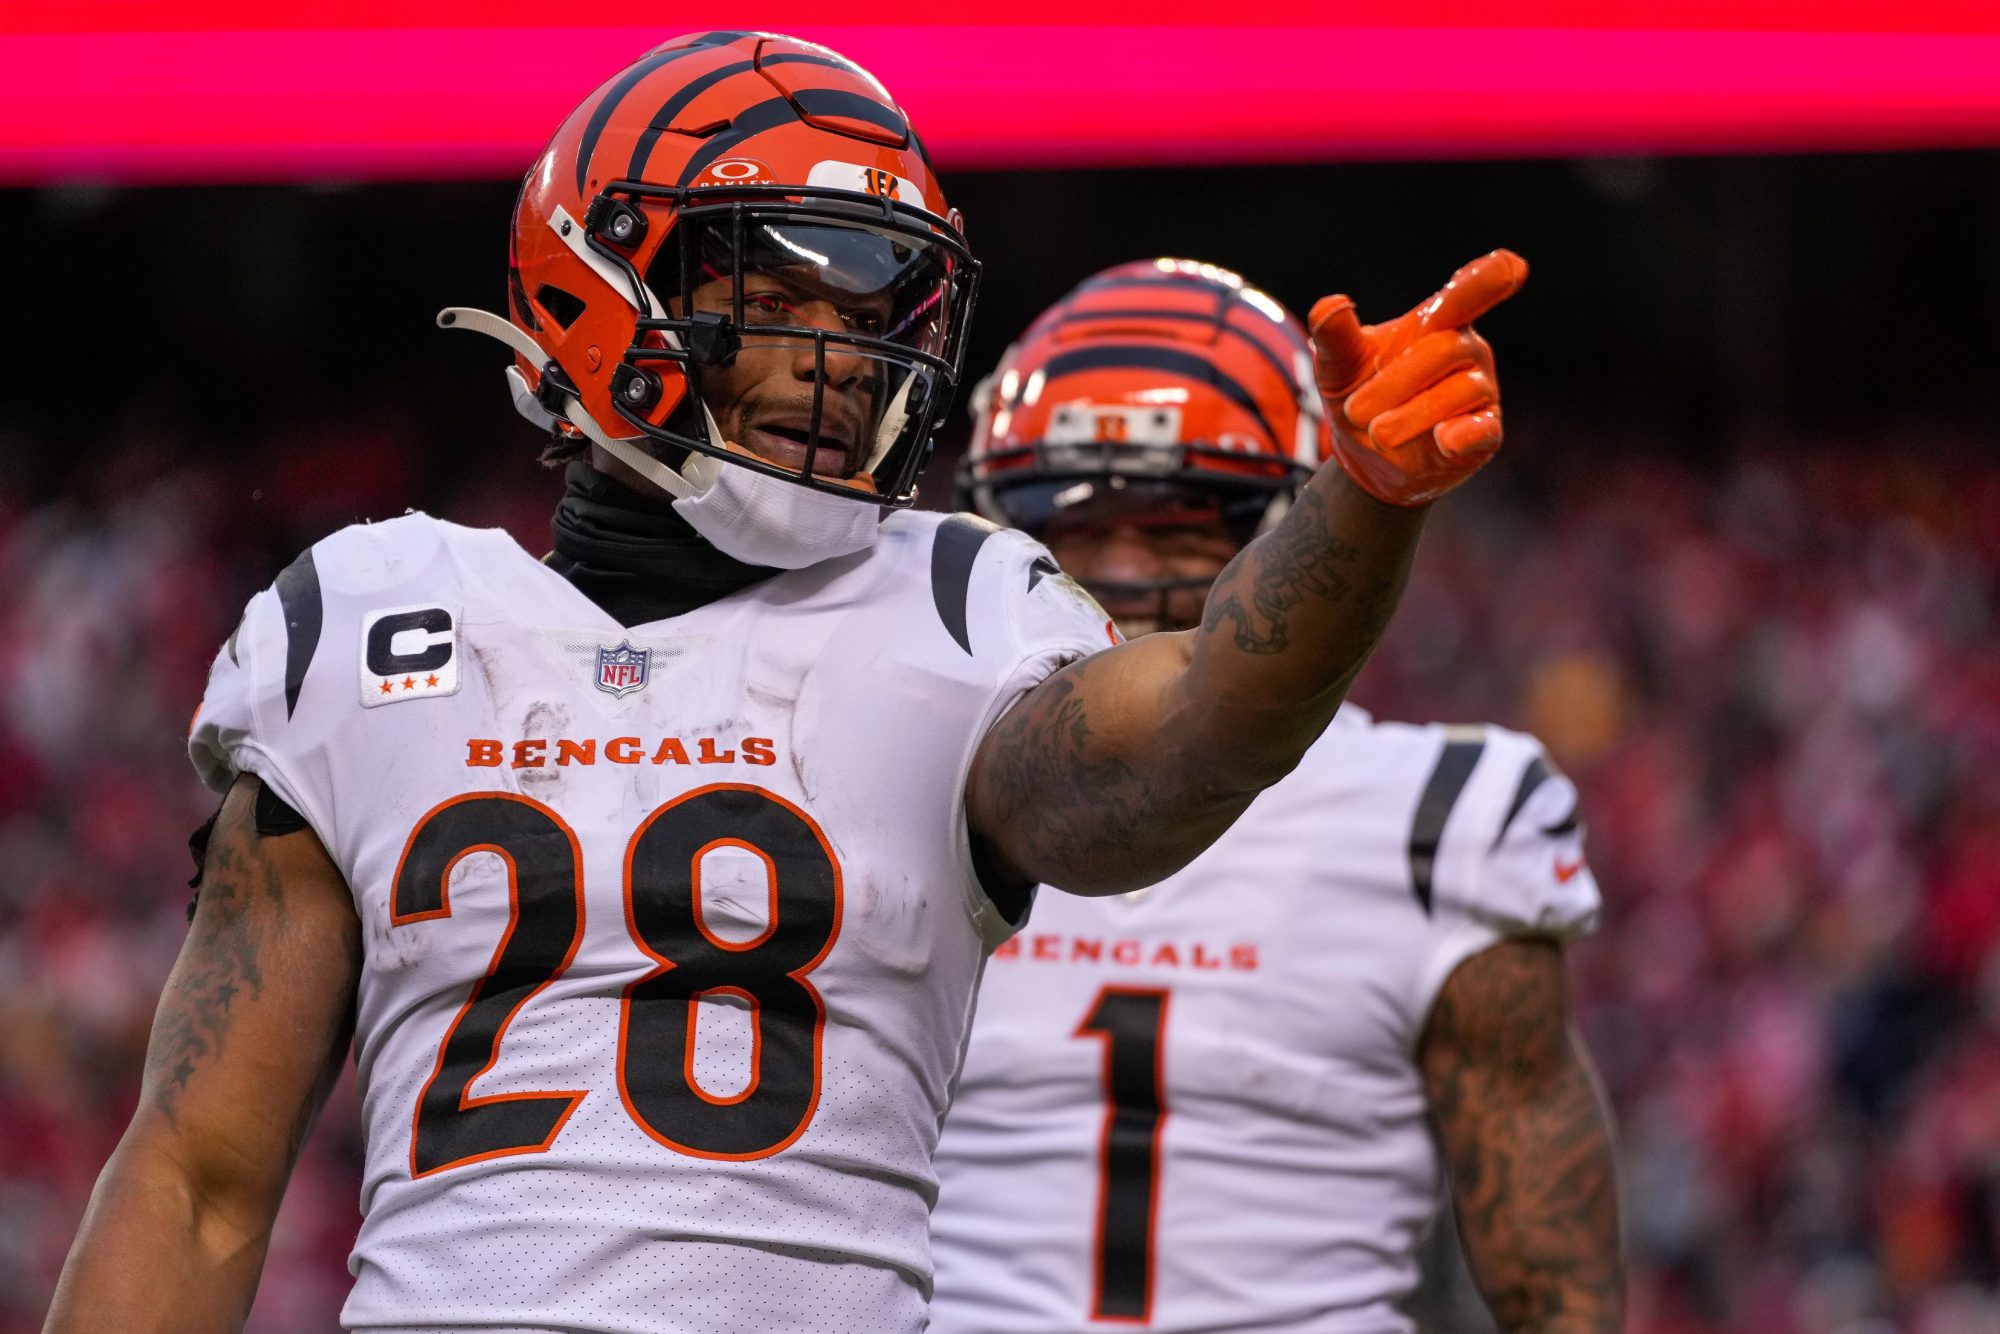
1197 1107
670 932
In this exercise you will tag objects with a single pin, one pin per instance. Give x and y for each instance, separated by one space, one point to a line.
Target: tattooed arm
1528 1142
1117 771
249 1035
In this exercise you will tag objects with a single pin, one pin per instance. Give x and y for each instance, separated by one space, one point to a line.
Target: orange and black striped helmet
1164 378
715 157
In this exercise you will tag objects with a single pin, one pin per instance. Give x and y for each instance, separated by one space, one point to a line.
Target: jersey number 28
656 1023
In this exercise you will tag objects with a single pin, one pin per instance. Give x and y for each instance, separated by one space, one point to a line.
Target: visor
894 288
824 330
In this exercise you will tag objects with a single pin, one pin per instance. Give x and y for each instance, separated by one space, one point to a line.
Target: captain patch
408 653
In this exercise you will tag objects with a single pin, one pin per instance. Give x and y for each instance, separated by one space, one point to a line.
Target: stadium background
1737 566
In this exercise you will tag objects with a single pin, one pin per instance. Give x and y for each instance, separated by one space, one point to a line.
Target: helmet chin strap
893 418
638 460
695 477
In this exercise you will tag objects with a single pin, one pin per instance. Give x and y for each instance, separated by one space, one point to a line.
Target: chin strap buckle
554 391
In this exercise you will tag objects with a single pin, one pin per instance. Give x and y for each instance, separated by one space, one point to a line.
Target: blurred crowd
1776 680
1777 684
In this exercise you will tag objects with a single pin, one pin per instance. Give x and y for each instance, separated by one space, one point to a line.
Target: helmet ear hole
562 307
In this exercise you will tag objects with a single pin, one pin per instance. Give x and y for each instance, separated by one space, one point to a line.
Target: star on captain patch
624 669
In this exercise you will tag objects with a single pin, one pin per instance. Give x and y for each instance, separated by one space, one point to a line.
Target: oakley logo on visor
734 171
865 180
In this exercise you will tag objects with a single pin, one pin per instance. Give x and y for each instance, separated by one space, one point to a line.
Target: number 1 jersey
670 932
1197 1107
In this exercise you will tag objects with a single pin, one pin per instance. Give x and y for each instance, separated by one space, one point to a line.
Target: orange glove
1415 403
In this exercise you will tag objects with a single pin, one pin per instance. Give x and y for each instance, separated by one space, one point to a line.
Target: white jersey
1197 1106
671 932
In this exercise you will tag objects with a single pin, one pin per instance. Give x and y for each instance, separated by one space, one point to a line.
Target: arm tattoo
1274 574
220 964
1050 775
1527 1141
1123 768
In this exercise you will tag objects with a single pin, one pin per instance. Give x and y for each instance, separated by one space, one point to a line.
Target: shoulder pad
265 674
364 557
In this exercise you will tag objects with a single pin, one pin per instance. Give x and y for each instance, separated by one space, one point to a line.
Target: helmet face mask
1066 501
736 250
1187 532
869 379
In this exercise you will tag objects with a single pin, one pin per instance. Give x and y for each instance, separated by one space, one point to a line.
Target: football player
1209 1104
652 881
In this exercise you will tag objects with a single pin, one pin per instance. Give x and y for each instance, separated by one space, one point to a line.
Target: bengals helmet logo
879 183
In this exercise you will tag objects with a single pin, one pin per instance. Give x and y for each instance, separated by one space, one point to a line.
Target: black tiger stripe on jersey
1448 778
298 599
1532 777
1139 356
1539 771
954 549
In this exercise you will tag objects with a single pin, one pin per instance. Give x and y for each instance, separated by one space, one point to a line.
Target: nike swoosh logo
1566 871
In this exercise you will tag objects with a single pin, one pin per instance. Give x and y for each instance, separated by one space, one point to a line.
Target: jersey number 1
1131 1023
657 1013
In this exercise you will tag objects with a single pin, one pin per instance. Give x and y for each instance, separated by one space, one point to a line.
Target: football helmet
685 215
1154 387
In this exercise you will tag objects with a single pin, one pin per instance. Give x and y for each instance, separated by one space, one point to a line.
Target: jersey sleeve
1534 878
253 689
1510 861
1053 620
1526 874
1009 607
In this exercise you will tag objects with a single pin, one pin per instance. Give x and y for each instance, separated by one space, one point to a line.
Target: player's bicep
1499 1026
1526 1136
1081 784
257 1013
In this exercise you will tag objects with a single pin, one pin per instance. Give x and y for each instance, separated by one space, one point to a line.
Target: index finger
1472 291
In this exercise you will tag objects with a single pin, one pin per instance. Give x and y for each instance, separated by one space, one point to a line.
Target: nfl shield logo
622 670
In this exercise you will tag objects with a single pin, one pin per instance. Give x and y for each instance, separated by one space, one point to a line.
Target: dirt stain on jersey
546 721
890 913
